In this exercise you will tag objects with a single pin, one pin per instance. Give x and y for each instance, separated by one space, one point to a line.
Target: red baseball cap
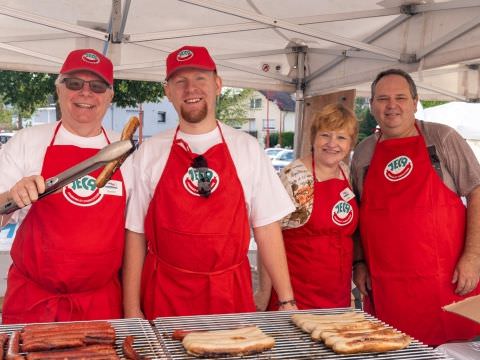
196 57
89 60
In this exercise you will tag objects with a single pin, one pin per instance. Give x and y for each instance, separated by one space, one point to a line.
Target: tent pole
299 99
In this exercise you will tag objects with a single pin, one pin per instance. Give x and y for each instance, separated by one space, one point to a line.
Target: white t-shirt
23 155
266 199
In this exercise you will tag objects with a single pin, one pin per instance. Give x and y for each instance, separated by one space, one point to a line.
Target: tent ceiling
260 44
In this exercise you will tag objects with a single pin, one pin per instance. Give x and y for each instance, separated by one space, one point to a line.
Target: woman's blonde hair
334 117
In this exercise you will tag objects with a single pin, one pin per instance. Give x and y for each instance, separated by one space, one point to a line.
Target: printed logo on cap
398 169
90 58
184 55
191 177
342 213
83 192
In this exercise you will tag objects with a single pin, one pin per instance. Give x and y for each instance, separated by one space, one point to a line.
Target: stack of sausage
351 333
93 340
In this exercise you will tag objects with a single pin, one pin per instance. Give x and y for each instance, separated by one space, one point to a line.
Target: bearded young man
199 188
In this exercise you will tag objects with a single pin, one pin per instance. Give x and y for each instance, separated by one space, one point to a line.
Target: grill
146 342
291 342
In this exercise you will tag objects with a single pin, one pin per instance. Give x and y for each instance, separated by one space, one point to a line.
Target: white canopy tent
309 47
463 117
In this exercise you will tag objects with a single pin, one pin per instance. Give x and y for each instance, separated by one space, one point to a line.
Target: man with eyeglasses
199 187
67 252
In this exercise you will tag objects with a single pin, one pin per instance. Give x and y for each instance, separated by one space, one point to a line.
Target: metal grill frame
291 342
146 342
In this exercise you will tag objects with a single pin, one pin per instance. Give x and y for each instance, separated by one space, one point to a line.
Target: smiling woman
325 217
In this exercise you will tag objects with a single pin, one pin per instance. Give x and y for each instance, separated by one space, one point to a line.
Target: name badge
347 194
112 187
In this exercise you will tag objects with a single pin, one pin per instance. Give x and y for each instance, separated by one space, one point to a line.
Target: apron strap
58 127
201 273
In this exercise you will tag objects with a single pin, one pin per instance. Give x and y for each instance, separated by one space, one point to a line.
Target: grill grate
291 342
146 342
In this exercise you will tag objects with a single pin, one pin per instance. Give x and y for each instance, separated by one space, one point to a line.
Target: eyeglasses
204 187
75 84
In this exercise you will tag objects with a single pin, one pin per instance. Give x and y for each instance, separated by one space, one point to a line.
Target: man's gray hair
399 72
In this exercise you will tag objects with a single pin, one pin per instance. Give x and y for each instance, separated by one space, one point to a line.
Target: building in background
270 112
156 117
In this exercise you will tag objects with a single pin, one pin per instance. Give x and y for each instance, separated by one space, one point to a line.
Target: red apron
320 252
197 247
413 230
68 250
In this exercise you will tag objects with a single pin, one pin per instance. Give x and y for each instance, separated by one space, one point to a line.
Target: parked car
4 137
282 159
272 152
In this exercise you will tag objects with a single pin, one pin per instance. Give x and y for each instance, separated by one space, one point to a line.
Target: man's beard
195 116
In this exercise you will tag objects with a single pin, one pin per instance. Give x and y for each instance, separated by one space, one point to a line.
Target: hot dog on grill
90 352
129 351
236 342
350 333
13 347
3 340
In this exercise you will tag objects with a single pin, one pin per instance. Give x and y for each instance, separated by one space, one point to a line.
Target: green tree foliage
5 117
232 106
432 103
367 121
25 91
287 139
129 93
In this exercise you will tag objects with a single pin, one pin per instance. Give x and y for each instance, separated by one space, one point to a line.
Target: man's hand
361 278
467 273
26 191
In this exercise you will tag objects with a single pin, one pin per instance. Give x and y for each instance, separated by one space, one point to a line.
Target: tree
25 91
5 117
432 103
232 106
287 139
132 93
365 117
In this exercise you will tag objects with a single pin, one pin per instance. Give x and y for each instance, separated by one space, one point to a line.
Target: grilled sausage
13 347
129 351
113 166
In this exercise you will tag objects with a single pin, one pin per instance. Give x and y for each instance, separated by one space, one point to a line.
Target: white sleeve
140 196
266 198
269 199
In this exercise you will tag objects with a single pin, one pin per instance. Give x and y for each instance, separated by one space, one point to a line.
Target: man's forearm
472 238
272 255
135 250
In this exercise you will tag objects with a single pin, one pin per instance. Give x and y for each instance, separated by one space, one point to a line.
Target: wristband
357 262
286 302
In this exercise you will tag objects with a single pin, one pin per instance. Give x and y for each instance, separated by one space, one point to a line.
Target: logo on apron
398 169
342 213
192 176
83 192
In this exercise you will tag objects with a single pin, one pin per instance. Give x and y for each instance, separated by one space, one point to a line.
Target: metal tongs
111 156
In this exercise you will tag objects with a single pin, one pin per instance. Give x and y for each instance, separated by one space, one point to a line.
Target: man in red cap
66 255
200 188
